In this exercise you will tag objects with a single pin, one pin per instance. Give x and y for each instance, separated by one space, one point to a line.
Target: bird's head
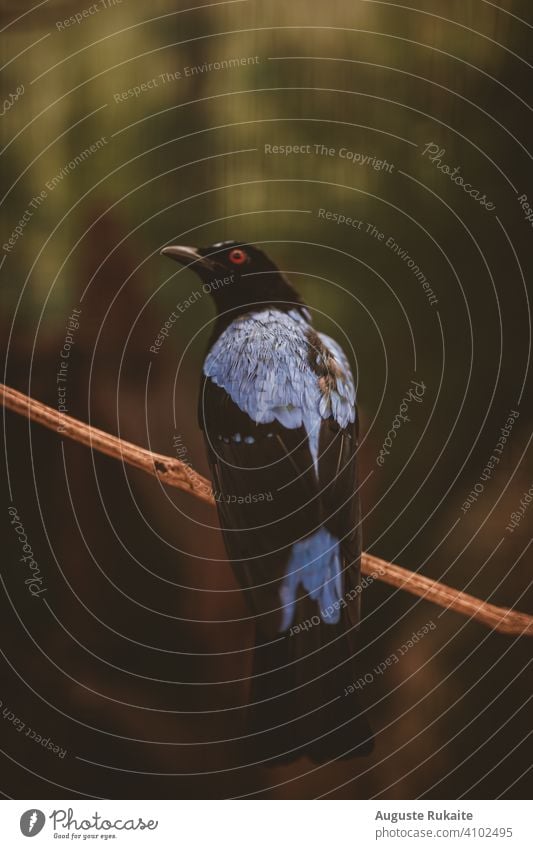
238 276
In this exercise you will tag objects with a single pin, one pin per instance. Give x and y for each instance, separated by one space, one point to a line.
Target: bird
277 409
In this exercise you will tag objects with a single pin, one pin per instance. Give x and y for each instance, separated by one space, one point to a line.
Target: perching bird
277 407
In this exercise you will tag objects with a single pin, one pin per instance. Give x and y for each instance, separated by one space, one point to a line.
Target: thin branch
169 470
173 472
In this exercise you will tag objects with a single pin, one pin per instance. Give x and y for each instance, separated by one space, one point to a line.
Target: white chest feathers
269 366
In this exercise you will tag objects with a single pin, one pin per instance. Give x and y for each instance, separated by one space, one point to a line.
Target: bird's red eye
237 257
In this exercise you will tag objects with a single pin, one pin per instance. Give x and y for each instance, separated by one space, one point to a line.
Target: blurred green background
142 610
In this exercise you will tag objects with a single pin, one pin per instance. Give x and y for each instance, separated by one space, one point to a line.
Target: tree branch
172 472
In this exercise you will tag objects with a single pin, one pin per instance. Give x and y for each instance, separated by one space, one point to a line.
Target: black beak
188 256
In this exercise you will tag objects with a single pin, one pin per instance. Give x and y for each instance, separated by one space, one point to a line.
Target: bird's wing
282 441
339 476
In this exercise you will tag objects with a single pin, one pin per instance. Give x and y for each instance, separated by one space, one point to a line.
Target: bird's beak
188 256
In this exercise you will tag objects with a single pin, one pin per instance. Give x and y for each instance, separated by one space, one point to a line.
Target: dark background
120 662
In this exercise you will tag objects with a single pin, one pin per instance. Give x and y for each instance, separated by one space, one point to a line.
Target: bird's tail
304 692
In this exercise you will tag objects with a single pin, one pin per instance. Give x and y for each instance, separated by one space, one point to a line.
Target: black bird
277 408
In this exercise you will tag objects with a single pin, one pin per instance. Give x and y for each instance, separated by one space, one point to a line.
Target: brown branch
501 619
167 469
172 472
